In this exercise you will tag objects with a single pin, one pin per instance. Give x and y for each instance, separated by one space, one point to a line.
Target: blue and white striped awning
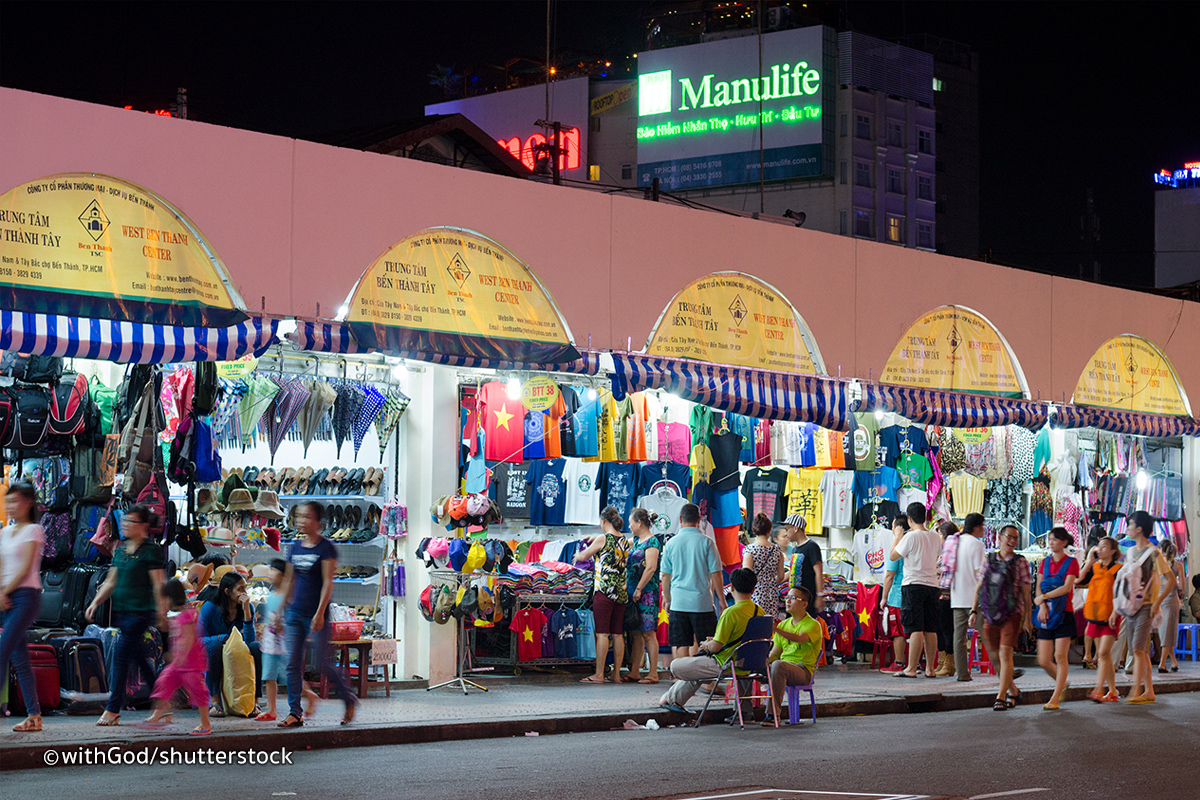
132 343
754 393
952 409
335 337
1107 419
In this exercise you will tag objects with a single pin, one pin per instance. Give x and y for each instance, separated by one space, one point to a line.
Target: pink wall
296 223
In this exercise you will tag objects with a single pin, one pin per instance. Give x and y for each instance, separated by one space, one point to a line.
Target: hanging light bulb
879 415
514 388
342 313
399 371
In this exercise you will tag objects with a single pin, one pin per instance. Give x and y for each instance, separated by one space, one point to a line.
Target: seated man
797 647
714 653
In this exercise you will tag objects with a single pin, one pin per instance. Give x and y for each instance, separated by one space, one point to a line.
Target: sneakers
893 669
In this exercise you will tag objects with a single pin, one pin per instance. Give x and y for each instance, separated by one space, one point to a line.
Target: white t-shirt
967 566
11 545
785 444
907 497
837 498
920 550
667 505
870 554
583 492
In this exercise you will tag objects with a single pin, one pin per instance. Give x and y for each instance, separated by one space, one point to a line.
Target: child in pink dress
189 661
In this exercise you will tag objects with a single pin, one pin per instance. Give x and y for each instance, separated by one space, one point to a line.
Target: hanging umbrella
260 391
320 399
283 411
389 417
345 411
232 392
372 403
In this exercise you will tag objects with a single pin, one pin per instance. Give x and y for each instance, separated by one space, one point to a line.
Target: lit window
937 84
895 229
862 174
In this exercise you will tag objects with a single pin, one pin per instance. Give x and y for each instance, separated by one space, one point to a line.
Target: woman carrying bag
20 594
1054 617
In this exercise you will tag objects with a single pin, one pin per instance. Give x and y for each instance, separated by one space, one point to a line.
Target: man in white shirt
964 585
920 594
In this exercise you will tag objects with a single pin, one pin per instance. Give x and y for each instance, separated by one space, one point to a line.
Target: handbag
108 531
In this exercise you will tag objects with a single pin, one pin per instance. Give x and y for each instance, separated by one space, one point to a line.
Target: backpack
69 404
1098 606
1129 588
997 597
154 498
104 399
8 414
87 475
87 519
1056 605
138 450
207 457
32 417
181 466
130 392
34 369
51 477
207 390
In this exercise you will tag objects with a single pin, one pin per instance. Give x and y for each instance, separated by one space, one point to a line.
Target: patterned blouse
611 563
766 567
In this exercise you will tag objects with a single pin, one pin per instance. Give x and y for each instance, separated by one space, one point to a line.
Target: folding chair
750 657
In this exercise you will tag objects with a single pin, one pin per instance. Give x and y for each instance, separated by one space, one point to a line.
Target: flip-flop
111 723
647 680
590 679
199 731
265 717
1139 701
903 674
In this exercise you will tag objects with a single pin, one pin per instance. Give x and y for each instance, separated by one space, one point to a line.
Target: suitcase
87 519
44 661
81 664
54 600
40 635
83 581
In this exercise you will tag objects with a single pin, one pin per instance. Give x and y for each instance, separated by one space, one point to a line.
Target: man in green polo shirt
797 647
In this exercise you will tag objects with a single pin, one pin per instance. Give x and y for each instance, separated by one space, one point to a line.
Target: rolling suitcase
44 661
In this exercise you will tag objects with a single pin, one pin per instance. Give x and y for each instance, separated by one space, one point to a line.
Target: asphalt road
1084 751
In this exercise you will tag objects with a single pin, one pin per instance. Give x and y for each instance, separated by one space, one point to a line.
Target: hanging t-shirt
806 443
870 554
878 484
762 443
724 510
552 423
621 422
674 442
898 440
606 425
865 433
763 490
743 427
562 624
701 464
821 455
635 444
866 608
725 448
804 497
568 424
535 435
701 424
510 490
966 492
527 627
667 505
702 496
651 476
585 635
837 498
876 515
837 449
503 423
618 488
785 444
582 492
547 504
585 422
915 471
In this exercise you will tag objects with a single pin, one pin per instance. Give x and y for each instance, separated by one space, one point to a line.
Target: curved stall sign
452 291
953 348
734 319
1129 373
86 245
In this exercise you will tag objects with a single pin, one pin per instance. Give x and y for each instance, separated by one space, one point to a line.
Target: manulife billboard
703 108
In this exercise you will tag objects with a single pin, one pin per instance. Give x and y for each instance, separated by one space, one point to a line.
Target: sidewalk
543 704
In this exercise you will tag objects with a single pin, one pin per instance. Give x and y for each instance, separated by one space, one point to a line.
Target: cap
459 548
795 521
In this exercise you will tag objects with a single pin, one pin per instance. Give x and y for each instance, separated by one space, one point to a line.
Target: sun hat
232 483
206 500
267 505
218 535
240 500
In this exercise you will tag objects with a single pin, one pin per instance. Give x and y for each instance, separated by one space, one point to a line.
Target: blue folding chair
750 659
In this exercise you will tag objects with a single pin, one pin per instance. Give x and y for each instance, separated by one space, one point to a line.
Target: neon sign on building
527 151
1187 177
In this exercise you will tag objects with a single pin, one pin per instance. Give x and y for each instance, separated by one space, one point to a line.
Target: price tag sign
539 393
383 652
973 435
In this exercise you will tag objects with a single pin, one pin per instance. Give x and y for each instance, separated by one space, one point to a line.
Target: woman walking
1102 565
642 587
1056 613
312 561
611 552
134 583
20 594
1168 633
1004 602
1160 582
766 559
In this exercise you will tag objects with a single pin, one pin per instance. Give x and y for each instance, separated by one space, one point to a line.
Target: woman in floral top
642 584
611 553
766 559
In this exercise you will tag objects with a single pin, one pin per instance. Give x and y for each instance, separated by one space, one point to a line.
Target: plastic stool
977 656
793 695
1188 631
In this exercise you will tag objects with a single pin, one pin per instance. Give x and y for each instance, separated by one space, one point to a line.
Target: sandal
30 725
591 679
108 720
290 721
648 680
265 717
200 730
1050 707
1001 705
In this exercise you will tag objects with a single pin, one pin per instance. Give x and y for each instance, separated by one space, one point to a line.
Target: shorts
1066 630
920 610
1099 629
1140 629
274 668
1003 635
609 614
895 625
685 628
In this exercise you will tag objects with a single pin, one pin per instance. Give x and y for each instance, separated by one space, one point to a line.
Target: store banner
735 319
1128 373
456 292
95 246
955 349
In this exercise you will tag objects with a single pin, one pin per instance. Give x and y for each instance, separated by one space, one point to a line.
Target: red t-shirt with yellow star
503 423
527 626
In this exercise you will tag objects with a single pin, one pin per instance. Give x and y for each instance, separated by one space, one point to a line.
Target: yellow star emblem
864 617
662 616
502 417
528 634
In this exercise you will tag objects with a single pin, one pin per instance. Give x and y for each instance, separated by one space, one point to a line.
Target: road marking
1006 794
803 793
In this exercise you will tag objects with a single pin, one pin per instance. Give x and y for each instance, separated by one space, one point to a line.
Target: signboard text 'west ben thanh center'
701 109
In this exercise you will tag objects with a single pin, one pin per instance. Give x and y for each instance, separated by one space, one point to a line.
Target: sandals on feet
31 725
108 720
291 721
1001 705
200 730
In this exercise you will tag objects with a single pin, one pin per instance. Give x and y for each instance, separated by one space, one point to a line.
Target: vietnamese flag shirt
503 421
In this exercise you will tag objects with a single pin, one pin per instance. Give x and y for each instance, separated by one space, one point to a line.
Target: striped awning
755 393
952 409
336 337
1107 419
1071 417
132 343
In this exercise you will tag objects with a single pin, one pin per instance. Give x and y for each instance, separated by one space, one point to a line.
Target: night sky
1073 95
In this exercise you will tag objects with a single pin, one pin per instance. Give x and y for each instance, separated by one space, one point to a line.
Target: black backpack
33 369
208 389
32 418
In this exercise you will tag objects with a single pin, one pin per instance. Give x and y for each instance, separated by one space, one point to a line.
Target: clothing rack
527 599
464 663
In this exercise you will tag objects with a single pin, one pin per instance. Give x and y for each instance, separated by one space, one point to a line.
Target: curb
24 757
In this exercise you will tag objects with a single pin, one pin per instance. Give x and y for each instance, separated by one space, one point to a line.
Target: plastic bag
238 682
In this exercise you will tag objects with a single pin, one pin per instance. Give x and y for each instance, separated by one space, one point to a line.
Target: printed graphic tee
804 497
837 498
510 490
618 488
547 505
582 481
763 490
865 433
871 547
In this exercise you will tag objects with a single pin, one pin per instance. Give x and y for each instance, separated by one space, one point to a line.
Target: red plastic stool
978 655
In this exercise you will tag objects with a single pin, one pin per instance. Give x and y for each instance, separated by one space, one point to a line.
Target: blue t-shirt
307 573
895 565
878 484
651 474
618 488
587 424
896 441
744 427
563 624
585 635
547 492
690 558
807 433
535 435
724 509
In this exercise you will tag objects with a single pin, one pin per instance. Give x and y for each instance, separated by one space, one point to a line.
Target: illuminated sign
527 152
614 98
702 110
1189 176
